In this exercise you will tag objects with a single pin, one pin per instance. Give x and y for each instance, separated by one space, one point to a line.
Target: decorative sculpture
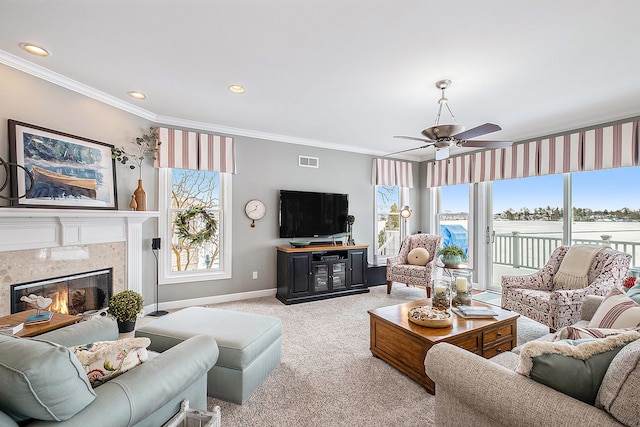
38 302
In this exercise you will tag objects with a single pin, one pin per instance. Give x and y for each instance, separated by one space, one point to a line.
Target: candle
441 291
461 285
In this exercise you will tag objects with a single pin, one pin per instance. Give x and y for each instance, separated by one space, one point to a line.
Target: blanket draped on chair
574 269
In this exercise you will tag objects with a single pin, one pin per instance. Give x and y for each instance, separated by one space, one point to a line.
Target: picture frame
69 171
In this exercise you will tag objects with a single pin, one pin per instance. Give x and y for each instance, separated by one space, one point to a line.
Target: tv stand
318 272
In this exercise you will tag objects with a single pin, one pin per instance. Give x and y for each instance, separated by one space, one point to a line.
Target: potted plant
125 307
452 255
146 146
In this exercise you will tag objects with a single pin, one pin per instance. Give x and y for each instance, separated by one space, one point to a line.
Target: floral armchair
399 270
534 295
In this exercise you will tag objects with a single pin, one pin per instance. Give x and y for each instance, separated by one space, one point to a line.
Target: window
453 217
389 230
195 222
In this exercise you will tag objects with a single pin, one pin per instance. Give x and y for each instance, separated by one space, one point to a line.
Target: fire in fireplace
73 294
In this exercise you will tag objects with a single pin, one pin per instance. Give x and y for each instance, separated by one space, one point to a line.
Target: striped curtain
392 172
604 147
183 149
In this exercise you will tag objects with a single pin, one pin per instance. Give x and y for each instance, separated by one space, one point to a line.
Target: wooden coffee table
57 321
404 344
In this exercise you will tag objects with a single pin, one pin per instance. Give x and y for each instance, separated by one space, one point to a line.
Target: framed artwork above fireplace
69 171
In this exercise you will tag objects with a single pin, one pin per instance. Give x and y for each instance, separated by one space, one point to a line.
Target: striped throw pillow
617 310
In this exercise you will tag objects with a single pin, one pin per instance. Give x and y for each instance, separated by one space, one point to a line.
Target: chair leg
428 288
389 286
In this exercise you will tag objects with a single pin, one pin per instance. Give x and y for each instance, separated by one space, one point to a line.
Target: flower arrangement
452 250
126 305
146 146
628 283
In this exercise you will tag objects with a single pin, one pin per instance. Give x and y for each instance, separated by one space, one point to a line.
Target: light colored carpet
328 376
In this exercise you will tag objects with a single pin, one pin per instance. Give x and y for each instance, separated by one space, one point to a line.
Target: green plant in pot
452 255
125 307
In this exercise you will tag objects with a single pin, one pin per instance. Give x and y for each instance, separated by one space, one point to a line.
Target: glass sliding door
453 216
526 225
389 228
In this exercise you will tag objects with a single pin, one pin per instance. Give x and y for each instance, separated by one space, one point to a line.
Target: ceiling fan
444 136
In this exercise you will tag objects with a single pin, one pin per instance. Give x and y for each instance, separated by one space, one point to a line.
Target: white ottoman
250 346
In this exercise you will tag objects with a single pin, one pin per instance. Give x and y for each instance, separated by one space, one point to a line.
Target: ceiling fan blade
442 153
478 131
486 144
413 138
410 149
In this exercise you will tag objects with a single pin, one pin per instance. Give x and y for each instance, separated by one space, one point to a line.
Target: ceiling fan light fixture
35 49
236 89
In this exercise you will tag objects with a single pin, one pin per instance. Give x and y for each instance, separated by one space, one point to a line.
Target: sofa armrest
99 329
473 391
589 306
7 421
136 394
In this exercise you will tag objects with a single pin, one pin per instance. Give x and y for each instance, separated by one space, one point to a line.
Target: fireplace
73 294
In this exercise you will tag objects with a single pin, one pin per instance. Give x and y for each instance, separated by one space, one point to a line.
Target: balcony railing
526 251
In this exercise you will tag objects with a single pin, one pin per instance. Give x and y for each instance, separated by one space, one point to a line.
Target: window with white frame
195 222
389 227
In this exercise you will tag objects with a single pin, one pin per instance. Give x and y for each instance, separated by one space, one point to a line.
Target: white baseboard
210 300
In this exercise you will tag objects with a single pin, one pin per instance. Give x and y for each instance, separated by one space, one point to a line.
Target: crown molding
62 81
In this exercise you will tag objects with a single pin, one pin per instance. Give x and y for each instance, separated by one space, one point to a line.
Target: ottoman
250 346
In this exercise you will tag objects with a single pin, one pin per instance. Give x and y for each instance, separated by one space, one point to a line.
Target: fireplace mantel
23 228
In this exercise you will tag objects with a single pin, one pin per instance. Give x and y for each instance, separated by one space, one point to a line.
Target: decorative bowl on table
299 243
430 317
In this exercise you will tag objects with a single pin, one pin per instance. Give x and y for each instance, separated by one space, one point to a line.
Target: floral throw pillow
104 360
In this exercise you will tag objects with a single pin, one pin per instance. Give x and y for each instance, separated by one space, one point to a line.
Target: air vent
308 162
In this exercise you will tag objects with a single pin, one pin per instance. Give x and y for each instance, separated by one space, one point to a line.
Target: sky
610 189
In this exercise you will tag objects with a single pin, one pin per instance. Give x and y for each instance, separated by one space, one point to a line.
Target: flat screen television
311 214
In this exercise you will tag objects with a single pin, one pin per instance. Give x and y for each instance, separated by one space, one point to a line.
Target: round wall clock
255 209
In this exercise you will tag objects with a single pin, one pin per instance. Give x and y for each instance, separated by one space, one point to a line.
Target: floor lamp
155 246
405 213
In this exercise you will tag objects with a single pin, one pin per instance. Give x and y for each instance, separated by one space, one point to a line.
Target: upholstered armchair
536 297
399 270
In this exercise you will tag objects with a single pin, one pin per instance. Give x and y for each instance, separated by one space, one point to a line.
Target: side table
57 321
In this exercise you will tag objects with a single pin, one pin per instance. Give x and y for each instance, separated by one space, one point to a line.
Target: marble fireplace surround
39 243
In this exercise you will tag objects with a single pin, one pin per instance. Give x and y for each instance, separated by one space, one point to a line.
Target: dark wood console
318 272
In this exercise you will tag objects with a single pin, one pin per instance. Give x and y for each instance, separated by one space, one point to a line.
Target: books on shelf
11 328
474 311
43 317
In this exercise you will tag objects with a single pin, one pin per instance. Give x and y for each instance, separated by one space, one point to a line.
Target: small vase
133 205
141 197
125 326
453 260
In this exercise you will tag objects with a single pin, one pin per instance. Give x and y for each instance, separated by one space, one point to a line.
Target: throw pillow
634 292
41 380
618 394
617 310
104 360
575 368
418 256
577 333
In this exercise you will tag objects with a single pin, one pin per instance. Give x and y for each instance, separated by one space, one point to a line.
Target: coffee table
404 344
57 321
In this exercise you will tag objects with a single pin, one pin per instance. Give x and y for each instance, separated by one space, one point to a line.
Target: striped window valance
604 147
183 149
392 172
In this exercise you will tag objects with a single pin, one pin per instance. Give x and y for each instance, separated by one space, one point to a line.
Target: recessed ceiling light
236 89
35 49
136 94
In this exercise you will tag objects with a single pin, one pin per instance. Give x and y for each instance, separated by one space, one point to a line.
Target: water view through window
528 217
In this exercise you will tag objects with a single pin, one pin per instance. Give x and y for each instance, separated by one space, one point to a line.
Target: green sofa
39 376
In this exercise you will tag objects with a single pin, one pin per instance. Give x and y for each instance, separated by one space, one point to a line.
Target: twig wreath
186 221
